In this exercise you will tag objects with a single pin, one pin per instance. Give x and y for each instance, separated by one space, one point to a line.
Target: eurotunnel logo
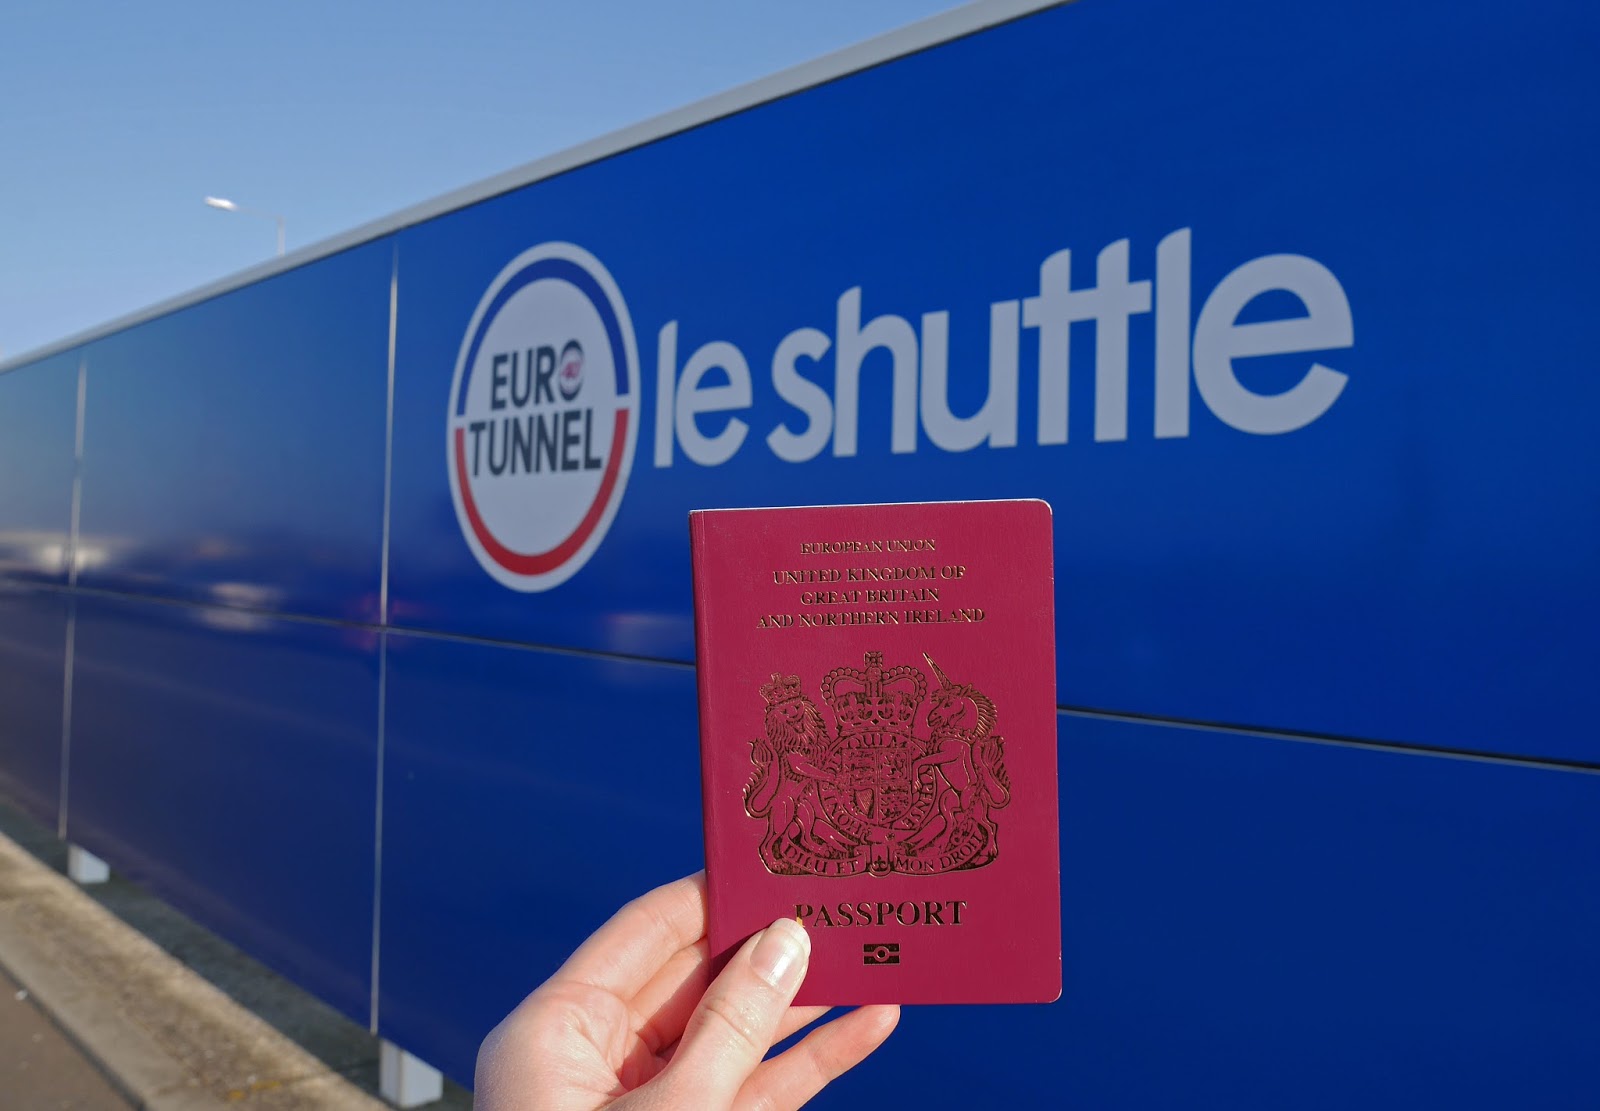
543 417
545 405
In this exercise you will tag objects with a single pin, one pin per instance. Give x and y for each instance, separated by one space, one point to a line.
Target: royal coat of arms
892 790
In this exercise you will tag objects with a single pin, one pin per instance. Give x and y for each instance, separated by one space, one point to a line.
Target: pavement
110 999
39 1067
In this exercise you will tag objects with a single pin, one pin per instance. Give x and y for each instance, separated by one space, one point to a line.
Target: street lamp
228 206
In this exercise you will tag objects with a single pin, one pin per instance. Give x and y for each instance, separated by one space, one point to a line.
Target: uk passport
878 744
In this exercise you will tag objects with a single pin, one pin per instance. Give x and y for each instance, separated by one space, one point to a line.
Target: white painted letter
1218 341
1172 335
894 334
1052 313
1116 299
708 451
996 422
1109 304
804 394
666 377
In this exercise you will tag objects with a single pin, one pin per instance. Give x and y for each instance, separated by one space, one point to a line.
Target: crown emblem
892 788
783 688
874 699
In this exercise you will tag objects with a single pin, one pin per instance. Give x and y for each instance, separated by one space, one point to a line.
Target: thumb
737 1019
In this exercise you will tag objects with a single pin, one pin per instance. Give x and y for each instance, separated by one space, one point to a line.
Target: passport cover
878 744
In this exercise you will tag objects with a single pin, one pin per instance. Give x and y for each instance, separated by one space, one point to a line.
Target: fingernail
779 957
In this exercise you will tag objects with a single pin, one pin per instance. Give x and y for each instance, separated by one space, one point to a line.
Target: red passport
878 744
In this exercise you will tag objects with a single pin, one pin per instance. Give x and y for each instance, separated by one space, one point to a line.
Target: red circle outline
540 563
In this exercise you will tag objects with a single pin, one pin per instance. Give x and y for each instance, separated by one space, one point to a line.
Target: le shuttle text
1204 353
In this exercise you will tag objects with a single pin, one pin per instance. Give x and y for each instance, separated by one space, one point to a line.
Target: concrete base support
407 1081
84 867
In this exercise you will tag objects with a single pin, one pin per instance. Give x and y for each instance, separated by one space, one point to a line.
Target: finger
796 1018
821 1057
656 1015
622 955
663 1006
737 1020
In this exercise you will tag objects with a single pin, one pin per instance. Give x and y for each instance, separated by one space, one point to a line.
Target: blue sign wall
1281 307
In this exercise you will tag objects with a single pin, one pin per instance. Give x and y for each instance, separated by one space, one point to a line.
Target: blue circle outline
574 274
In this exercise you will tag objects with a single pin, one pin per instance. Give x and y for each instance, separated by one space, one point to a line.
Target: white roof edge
921 35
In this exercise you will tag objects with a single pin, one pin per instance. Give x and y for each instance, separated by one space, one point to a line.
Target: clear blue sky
117 119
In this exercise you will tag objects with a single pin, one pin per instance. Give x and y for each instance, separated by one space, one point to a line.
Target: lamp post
228 206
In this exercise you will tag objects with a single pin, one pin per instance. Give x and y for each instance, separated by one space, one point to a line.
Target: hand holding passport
877 719
635 1019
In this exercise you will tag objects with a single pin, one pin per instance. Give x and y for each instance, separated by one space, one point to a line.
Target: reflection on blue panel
1416 564
227 761
38 434
1269 924
527 795
33 639
234 452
